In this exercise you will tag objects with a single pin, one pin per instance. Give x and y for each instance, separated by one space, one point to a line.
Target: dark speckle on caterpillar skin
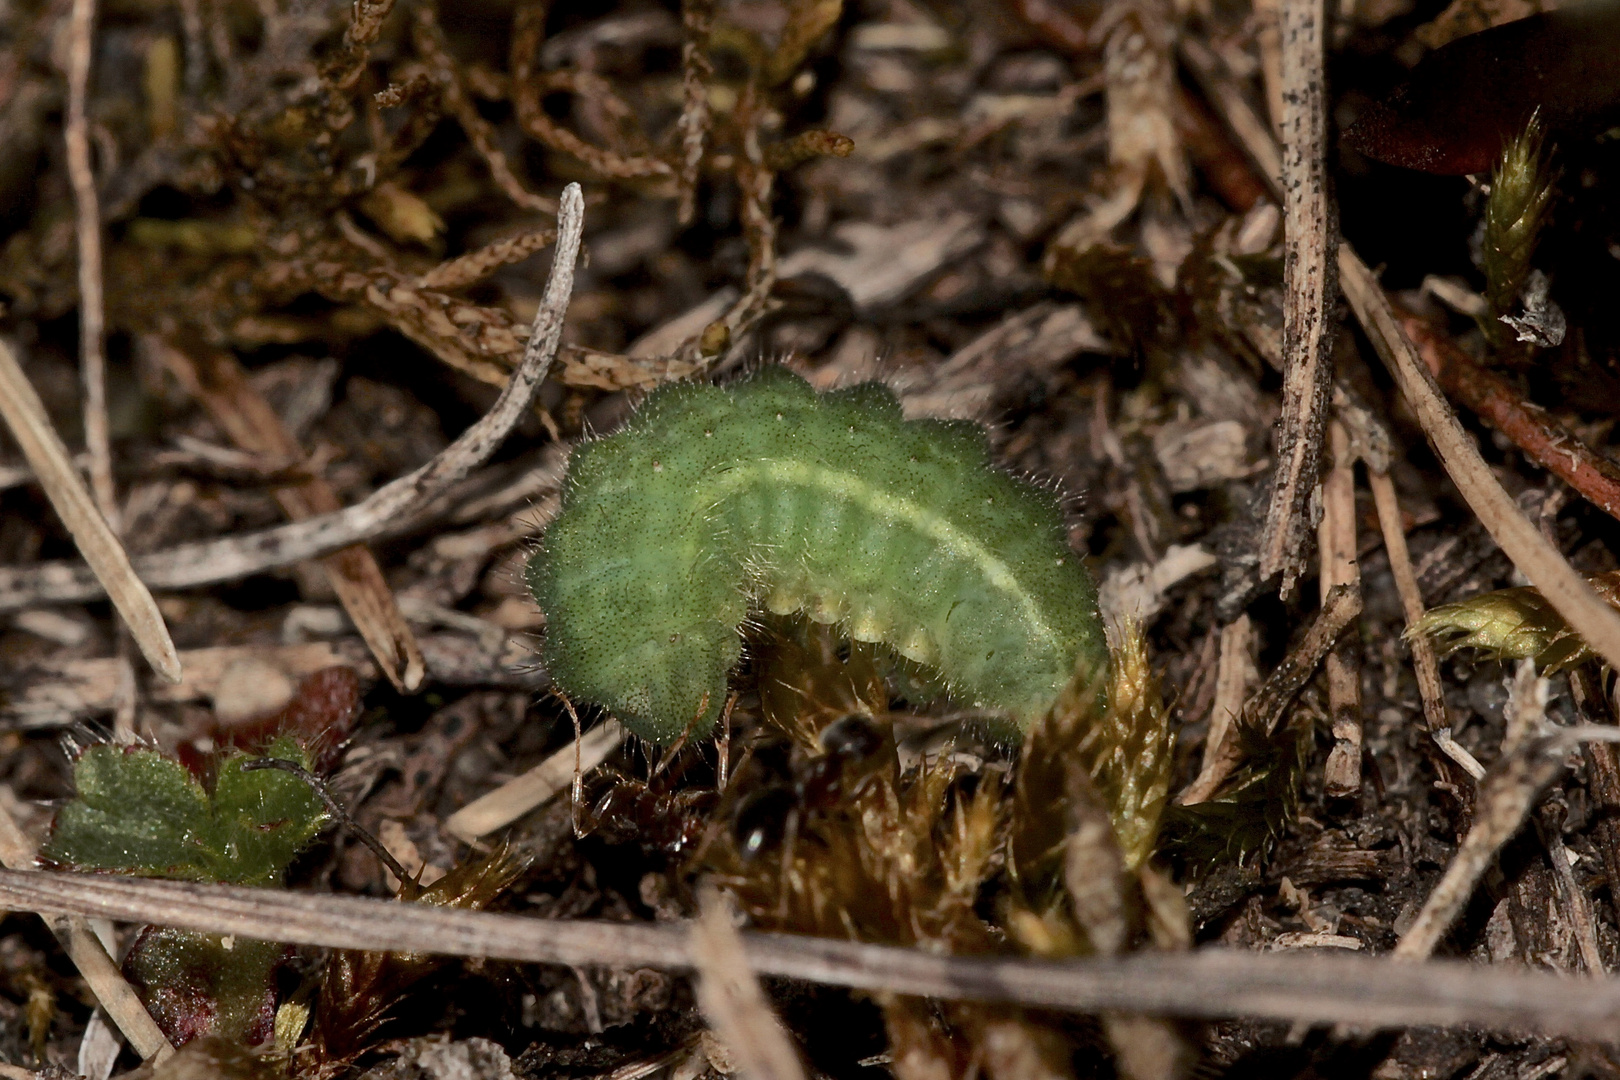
771 496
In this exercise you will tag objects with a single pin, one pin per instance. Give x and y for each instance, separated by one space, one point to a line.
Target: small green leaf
137 811
140 812
265 817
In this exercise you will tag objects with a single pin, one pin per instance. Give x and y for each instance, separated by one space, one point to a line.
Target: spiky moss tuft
1521 191
1514 624
764 494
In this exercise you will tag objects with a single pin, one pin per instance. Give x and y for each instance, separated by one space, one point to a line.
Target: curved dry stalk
108 568
388 510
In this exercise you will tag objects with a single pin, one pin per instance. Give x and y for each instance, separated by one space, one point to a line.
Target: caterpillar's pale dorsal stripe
712 502
997 572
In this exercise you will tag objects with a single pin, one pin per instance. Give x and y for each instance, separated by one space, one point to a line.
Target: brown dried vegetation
324 230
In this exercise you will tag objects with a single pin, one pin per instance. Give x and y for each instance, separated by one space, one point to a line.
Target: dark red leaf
1463 101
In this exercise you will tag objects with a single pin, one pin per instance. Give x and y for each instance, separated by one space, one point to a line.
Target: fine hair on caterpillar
712 503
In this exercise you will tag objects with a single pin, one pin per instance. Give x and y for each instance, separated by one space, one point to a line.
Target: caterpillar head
663 686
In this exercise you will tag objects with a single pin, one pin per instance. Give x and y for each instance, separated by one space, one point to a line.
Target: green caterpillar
713 502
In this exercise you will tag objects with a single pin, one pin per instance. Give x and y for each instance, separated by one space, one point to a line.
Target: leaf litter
1014 212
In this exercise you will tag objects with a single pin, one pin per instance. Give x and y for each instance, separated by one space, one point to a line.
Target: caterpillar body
713 501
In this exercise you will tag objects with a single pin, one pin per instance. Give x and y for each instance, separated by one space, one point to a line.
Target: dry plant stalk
1308 290
1268 41
1603 766
756 181
1256 136
343 71
731 998
429 41
1336 542
530 86
92 299
697 20
1495 400
1366 992
107 561
1225 167
1519 539
475 266
482 342
1576 903
1234 675
395 506
1424 663
56 692
1264 711
499 808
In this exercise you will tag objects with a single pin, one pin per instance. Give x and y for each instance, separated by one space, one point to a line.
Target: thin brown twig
349 63
483 342
475 266
1602 766
1339 610
92 299
1336 544
1424 663
1576 902
429 40
1308 291
759 228
107 565
1225 168
1061 25
1268 42
388 510
1542 439
1234 674
57 692
1519 539
1253 133
527 91
1264 710
1366 992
